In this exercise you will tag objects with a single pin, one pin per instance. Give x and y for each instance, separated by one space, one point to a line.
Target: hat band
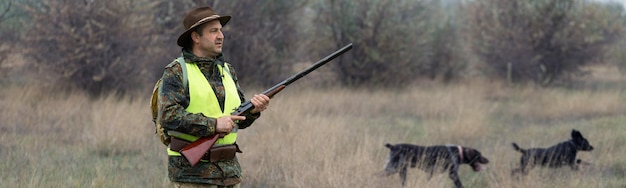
201 21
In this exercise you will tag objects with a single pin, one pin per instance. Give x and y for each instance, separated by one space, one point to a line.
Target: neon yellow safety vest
202 99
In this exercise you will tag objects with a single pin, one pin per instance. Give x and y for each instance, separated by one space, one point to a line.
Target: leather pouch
223 152
177 144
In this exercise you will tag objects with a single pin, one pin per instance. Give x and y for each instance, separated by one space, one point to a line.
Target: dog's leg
403 175
514 172
523 160
574 165
414 161
431 172
454 175
524 164
522 168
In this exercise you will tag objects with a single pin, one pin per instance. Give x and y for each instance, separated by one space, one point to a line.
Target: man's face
209 44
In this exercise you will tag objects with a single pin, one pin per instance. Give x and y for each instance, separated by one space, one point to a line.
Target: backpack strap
165 138
181 61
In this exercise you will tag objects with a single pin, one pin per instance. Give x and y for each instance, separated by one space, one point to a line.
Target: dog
556 156
432 159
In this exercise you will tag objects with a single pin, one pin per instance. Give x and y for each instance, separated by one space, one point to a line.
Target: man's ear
195 37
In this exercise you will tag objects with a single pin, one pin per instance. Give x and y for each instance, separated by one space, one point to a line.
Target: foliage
618 56
4 9
391 39
9 31
617 52
263 38
10 16
123 45
541 41
99 46
447 49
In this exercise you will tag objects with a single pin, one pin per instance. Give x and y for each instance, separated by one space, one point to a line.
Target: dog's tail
517 148
388 145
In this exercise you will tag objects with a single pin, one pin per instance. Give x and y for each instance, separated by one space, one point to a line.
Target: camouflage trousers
198 185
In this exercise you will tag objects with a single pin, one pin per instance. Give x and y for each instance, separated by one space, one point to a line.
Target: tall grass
69 140
319 138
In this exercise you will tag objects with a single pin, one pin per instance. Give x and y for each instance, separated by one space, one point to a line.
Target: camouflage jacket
174 99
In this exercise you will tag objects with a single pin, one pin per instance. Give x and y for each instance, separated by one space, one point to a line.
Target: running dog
432 159
556 156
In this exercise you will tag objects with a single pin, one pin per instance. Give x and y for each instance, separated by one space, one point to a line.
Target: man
202 106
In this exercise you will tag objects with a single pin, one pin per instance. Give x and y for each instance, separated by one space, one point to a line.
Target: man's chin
216 52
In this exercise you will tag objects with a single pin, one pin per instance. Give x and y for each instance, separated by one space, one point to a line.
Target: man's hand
260 102
225 124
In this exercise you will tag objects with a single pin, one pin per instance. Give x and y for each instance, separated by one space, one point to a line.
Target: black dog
433 158
556 156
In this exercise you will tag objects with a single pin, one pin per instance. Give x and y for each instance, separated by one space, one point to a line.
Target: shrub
98 46
541 41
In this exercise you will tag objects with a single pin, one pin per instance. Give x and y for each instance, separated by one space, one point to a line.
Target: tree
263 38
98 46
392 39
617 52
543 40
447 61
9 31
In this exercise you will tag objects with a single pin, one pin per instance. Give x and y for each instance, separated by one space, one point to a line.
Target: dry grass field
323 138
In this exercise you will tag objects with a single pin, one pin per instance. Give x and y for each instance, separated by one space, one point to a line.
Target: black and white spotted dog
432 159
562 154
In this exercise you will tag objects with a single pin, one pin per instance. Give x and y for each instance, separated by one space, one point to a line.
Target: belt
216 153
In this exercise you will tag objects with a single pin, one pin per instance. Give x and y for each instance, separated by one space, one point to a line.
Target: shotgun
194 151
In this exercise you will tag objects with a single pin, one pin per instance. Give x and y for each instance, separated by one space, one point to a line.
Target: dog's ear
576 134
469 154
473 155
388 145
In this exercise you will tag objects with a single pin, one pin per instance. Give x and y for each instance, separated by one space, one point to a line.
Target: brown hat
195 18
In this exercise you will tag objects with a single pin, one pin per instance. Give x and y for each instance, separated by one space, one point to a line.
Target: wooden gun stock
194 151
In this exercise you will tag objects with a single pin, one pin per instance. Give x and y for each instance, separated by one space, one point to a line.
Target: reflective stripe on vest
202 99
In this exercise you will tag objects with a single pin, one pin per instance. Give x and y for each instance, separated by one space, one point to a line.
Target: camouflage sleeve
250 118
173 100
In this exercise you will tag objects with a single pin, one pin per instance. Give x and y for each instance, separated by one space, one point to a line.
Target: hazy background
122 46
77 77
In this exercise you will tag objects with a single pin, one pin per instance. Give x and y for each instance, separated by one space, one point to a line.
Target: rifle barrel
278 87
311 68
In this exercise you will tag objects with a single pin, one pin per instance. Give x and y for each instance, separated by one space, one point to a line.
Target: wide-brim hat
195 18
